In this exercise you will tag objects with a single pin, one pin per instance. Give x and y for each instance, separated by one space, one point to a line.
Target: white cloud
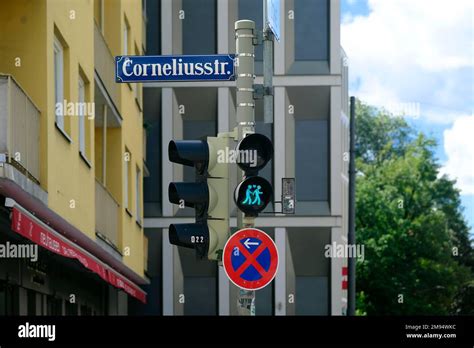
408 51
459 148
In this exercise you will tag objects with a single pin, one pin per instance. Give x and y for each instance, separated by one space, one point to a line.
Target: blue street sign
272 17
218 67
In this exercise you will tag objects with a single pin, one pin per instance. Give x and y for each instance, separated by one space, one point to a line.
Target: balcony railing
19 128
106 214
105 65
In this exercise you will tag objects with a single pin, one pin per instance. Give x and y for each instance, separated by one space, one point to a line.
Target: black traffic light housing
208 195
253 194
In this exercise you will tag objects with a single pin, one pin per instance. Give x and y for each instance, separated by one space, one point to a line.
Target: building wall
28 29
308 104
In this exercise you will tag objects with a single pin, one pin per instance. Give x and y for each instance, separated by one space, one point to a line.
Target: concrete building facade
310 135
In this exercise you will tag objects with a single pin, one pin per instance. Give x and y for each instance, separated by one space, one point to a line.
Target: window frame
126 37
138 204
82 120
58 57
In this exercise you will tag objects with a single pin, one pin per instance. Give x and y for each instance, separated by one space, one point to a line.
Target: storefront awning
27 225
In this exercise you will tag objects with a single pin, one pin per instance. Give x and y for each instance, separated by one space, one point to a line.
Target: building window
82 116
126 179
138 199
199 26
126 37
308 128
153 27
59 83
137 86
307 37
266 129
71 308
54 306
311 173
310 268
152 122
9 299
311 23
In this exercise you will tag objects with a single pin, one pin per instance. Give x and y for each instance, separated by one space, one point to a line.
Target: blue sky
416 57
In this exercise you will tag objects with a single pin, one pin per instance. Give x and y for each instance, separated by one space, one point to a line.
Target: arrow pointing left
247 243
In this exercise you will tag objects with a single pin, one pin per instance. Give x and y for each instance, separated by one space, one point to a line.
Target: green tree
418 256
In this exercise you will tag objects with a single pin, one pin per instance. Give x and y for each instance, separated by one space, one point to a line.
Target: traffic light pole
268 76
244 36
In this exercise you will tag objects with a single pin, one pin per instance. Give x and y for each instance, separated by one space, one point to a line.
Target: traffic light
254 193
208 195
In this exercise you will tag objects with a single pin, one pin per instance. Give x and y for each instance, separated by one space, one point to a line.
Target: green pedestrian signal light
254 193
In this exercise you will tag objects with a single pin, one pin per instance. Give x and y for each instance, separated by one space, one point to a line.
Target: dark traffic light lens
192 153
191 194
257 147
253 194
192 236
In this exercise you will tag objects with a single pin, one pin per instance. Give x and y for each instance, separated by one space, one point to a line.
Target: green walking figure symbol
253 190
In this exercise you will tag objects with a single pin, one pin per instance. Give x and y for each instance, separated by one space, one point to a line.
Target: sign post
245 115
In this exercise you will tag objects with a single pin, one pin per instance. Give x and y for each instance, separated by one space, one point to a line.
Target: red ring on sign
251 259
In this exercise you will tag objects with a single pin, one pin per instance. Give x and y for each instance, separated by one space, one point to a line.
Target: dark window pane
253 10
153 28
199 27
201 296
311 137
152 122
3 298
312 296
71 308
311 29
55 306
31 302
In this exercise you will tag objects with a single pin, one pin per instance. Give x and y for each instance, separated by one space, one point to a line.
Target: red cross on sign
250 259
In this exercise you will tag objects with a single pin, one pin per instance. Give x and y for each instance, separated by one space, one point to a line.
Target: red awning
35 230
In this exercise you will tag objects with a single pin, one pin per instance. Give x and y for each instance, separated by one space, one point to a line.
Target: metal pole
244 35
351 277
268 77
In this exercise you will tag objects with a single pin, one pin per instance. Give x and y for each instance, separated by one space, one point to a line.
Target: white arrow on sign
247 243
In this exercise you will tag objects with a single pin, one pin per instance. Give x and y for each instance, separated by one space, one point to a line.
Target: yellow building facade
61 54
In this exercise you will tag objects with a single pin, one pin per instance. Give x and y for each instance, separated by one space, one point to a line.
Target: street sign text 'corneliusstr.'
174 68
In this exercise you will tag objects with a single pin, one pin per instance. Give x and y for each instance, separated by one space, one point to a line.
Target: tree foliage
418 256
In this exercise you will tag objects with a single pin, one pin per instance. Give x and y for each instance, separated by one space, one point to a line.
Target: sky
416 58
